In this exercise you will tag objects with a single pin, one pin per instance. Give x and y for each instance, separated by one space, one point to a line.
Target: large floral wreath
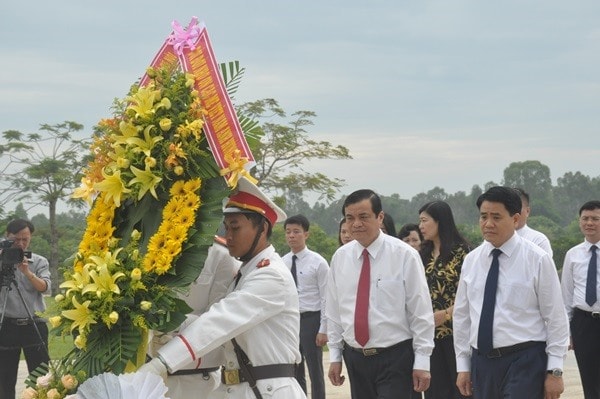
156 193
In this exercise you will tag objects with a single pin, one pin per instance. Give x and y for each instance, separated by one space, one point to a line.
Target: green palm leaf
232 76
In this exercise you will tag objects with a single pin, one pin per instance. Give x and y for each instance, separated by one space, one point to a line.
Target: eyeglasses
594 219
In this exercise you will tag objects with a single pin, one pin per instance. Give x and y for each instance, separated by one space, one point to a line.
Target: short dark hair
361 195
507 196
16 225
297 219
407 228
589 206
522 194
257 219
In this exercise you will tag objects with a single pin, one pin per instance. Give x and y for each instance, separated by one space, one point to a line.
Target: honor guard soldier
257 321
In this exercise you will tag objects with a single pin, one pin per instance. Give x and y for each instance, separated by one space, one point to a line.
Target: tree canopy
285 149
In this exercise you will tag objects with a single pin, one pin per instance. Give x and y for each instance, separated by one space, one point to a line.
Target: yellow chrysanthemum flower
192 186
192 202
178 188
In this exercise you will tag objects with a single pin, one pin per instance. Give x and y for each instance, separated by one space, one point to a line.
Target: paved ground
572 382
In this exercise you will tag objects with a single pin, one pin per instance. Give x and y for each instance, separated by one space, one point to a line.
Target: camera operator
18 332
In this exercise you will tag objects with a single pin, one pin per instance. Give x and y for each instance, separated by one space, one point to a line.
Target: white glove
158 341
155 366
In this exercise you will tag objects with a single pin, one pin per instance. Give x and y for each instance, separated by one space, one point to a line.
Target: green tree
571 191
284 149
318 241
531 176
44 170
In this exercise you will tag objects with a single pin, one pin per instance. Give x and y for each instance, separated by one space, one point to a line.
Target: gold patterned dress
442 279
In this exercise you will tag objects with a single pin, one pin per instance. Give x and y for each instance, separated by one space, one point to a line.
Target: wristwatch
556 372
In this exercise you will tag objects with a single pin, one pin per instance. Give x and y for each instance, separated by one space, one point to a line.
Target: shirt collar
373 248
300 254
588 244
507 248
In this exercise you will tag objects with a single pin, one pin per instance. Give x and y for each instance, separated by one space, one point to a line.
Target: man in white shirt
257 321
309 270
537 237
580 293
510 328
379 311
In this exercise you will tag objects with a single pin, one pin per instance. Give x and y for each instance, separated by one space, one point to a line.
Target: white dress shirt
527 305
399 302
536 237
574 278
311 275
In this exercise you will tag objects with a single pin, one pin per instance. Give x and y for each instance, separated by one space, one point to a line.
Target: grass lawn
57 346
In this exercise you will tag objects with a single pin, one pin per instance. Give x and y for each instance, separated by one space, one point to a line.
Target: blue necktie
485 339
590 285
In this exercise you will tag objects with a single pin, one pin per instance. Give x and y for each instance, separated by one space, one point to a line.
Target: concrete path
573 388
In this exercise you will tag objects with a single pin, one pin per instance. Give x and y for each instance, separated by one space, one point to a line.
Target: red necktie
361 312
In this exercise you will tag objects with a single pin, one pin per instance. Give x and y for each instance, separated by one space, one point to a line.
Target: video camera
11 256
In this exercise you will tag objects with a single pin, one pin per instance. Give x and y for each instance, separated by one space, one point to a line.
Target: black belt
508 350
23 321
593 315
231 377
195 371
375 351
309 313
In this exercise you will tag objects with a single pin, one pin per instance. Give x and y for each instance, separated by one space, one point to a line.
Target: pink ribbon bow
182 38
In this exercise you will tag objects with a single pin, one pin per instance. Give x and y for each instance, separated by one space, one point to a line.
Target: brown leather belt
375 351
508 350
232 377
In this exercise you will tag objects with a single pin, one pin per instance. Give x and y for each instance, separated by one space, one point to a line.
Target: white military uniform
261 313
211 285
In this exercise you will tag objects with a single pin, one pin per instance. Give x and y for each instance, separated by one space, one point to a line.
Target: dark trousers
312 355
387 375
519 375
13 338
443 371
585 331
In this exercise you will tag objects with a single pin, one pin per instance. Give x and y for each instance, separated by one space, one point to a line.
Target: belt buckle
232 377
21 322
595 315
494 353
369 351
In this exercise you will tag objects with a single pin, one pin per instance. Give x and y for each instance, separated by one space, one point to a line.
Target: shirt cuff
335 355
175 354
463 365
555 362
421 362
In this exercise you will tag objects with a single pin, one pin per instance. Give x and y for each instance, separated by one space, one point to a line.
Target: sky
423 93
